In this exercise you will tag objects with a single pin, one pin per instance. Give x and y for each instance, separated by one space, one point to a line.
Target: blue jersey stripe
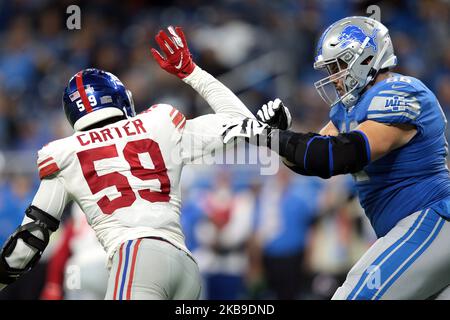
438 226
330 157
362 280
306 151
125 269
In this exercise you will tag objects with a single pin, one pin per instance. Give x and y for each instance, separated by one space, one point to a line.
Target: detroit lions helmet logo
353 33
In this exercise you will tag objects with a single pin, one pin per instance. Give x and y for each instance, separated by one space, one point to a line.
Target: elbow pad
325 156
35 235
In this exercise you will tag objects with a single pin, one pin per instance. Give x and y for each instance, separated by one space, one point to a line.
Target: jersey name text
130 128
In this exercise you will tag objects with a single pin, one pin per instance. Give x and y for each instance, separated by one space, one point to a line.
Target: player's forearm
219 97
22 254
324 156
25 246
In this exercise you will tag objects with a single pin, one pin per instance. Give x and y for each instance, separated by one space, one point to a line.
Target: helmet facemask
352 72
129 109
338 83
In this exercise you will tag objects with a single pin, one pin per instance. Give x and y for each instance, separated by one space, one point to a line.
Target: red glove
178 60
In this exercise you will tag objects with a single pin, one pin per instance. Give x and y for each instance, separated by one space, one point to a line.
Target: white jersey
125 176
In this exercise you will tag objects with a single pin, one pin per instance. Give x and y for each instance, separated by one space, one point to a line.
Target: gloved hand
178 59
245 128
275 114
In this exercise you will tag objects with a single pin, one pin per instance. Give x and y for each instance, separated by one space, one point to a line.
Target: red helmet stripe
80 88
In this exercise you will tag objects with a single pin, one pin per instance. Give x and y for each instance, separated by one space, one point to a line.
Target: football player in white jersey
123 170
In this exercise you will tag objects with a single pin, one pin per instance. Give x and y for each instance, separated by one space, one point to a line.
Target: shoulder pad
177 118
398 84
153 107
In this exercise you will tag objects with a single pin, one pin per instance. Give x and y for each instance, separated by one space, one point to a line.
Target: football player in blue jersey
387 130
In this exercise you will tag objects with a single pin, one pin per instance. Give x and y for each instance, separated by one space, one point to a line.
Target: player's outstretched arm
24 248
328 155
309 153
177 60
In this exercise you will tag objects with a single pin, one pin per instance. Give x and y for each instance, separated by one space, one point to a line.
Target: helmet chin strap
349 98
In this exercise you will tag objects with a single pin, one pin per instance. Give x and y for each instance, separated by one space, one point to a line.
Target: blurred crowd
260 237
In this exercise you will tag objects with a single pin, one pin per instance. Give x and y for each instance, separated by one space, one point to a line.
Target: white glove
245 128
275 114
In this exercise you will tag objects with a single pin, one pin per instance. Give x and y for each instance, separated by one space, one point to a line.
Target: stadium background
255 237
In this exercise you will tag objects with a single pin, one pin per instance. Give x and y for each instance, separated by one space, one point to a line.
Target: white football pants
151 269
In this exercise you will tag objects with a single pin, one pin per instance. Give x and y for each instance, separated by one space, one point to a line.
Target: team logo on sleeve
394 105
397 103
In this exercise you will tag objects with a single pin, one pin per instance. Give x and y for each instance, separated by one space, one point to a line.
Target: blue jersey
409 178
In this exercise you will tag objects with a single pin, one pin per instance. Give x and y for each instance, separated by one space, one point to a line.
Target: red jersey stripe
178 118
45 161
48 170
183 123
118 273
133 262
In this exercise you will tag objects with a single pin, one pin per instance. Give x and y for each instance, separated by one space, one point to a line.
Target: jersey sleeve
395 102
202 136
221 99
198 137
51 197
47 162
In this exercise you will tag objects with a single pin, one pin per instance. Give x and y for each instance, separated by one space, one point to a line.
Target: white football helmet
353 49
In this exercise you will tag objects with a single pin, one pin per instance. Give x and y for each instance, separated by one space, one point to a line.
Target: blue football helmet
94 95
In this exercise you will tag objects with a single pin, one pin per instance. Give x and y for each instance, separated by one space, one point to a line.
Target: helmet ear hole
347 57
